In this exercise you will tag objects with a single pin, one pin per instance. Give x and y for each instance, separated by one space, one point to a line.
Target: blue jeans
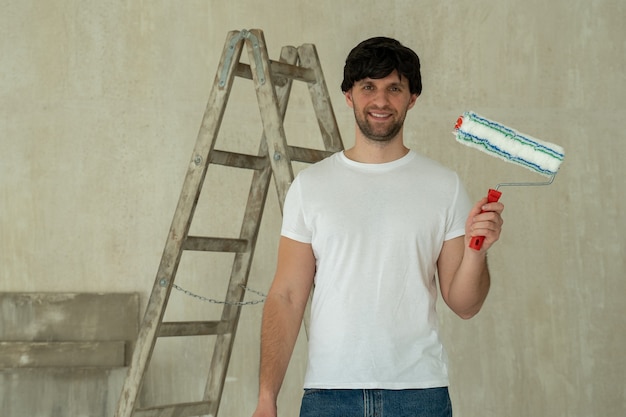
431 402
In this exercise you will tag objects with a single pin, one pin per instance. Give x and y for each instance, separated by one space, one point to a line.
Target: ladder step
215 244
307 155
238 160
193 328
176 410
280 69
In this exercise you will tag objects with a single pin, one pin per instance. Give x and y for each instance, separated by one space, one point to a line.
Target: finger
488 216
489 221
482 230
494 207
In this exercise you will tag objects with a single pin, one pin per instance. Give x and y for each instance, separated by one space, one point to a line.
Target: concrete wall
100 104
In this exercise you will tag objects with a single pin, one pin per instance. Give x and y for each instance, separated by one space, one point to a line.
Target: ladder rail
179 228
321 99
272 121
243 262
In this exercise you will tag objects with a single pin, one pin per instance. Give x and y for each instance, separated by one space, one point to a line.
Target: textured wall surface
100 104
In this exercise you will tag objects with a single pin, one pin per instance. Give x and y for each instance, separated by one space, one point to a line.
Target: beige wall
100 104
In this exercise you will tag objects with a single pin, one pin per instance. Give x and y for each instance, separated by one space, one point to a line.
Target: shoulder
423 160
320 170
426 166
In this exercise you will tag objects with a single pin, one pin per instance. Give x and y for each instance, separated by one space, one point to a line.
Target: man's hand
485 219
265 409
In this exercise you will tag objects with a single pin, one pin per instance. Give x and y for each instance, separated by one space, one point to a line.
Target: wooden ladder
272 82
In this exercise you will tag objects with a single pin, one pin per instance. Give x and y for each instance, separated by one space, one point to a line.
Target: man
371 227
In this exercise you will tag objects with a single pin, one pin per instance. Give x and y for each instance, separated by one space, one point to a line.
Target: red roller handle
477 241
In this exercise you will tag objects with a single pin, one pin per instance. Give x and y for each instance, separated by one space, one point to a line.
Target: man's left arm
463 272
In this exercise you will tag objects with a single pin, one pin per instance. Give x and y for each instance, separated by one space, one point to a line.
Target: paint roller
510 145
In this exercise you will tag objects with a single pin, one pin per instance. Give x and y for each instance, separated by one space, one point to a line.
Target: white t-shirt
376 231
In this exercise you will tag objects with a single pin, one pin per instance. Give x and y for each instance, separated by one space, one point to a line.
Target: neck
369 151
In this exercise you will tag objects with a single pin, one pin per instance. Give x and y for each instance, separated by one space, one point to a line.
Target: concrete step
62 354
65 354
69 317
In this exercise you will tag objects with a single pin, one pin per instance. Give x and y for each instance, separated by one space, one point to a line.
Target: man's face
380 105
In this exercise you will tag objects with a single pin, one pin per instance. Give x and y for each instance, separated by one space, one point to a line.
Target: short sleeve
294 225
459 211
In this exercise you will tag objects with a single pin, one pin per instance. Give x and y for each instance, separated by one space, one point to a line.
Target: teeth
379 115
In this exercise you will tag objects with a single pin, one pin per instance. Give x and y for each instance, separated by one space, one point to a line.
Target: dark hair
377 58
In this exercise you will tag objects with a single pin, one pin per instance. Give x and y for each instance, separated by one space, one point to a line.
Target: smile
379 115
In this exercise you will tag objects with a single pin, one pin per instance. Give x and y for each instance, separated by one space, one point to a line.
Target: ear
413 100
348 96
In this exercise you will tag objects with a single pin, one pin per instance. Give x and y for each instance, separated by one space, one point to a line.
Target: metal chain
211 300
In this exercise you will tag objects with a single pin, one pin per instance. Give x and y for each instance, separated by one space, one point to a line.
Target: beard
383 133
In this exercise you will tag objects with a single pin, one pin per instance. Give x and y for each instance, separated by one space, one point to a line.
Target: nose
381 98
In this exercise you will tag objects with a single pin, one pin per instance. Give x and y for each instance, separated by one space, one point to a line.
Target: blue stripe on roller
491 148
517 136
